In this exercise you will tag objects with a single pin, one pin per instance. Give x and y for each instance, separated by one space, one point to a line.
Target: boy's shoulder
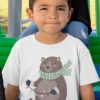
77 42
25 40
74 39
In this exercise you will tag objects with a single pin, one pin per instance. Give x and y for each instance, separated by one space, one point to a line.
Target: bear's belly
47 90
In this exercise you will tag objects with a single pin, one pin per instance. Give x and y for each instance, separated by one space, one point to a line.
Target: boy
79 25
49 65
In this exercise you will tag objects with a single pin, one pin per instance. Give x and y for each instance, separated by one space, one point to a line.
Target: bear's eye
43 65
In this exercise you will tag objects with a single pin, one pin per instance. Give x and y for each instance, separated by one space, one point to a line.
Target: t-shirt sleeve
88 72
11 70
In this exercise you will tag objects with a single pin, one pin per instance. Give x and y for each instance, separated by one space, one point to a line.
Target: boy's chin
51 30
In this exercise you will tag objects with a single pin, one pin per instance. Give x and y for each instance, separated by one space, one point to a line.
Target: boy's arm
12 92
86 92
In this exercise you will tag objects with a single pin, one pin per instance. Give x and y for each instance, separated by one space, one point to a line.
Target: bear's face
50 64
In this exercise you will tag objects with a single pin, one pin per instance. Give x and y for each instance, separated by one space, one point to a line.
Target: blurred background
4 14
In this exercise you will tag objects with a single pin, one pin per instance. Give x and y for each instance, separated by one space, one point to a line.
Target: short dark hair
31 3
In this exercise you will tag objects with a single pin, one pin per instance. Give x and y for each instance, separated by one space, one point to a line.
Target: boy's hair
31 3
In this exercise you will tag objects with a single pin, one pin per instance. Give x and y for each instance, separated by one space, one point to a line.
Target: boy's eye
61 9
43 8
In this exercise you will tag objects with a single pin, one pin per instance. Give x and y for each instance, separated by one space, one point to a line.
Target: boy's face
50 15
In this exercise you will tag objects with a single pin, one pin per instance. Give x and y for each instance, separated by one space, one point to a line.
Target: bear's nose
48 67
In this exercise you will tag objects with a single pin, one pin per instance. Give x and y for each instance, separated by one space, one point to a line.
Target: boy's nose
52 15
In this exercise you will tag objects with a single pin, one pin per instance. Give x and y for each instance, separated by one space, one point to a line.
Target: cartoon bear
51 85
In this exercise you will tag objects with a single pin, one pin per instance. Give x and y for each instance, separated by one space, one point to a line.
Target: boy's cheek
39 14
39 18
64 20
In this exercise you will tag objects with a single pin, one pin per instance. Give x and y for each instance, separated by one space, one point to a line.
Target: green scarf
65 70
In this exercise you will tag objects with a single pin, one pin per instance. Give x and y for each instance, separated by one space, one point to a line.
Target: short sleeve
11 70
88 72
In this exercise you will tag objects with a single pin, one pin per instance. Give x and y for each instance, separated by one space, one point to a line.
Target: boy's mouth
53 23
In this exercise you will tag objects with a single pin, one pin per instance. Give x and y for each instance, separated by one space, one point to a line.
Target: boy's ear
30 14
70 13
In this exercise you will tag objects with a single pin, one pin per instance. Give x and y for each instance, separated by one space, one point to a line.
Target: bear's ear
42 59
58 58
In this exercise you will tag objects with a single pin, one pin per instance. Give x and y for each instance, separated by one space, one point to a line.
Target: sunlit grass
92 13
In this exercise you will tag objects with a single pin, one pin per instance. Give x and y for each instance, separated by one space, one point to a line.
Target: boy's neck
51 38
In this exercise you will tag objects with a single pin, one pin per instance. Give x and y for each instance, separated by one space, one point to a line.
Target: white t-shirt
49 71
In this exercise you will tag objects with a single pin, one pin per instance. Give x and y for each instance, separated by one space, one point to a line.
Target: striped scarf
64 71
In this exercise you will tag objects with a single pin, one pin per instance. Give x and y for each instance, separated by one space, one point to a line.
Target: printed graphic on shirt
51 85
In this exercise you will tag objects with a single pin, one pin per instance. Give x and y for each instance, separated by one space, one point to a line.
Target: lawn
4 12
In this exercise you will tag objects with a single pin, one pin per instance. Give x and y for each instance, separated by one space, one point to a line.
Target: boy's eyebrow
63 5
43 5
